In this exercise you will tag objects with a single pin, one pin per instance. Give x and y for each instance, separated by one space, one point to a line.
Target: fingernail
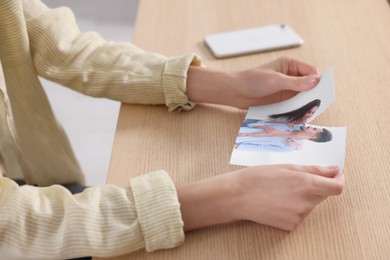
310 80
333 167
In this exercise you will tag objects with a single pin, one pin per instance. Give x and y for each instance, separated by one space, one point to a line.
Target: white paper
286 142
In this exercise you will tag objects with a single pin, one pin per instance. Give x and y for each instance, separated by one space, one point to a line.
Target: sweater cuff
158 210
175 80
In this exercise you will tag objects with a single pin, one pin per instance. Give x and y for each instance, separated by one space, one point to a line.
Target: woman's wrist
209 202
211 86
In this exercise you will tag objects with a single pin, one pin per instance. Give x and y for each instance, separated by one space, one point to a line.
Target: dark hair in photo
298 113
323 137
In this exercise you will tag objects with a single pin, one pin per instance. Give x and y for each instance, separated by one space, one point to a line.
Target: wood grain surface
353 37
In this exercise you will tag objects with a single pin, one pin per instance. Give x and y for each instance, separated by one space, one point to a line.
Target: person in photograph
312 133
292 120
297 116
267 126
268 144
275 140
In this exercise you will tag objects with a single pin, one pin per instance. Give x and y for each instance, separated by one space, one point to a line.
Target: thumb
300 83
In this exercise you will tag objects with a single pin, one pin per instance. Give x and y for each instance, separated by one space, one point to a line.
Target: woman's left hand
252 86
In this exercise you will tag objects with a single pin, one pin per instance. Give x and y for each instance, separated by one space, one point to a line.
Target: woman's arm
252 86
93 66
121 71
281 196
105 220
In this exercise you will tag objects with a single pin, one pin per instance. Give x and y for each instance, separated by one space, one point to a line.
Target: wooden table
351 36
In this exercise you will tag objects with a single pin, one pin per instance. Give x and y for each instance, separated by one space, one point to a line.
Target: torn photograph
280 133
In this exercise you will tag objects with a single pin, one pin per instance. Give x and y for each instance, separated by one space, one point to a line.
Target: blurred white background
90 122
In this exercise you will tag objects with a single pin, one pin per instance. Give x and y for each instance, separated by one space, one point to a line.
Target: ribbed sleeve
158 212
106 220
50 223
87 63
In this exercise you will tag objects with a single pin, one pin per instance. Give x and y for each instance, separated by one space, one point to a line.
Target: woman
48 222
292 120
300 115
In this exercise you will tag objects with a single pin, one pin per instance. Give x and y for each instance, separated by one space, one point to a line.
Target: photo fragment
280 133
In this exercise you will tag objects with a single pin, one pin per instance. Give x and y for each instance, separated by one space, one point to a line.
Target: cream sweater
49 222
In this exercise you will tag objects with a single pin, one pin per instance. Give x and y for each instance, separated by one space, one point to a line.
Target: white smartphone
266 38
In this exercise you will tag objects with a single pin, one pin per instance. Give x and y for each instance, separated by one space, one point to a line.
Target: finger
329 172
340 176
295 67
292 67
298 83
327 186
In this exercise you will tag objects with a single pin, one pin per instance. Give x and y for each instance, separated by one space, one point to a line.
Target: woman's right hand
280 196
283 196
